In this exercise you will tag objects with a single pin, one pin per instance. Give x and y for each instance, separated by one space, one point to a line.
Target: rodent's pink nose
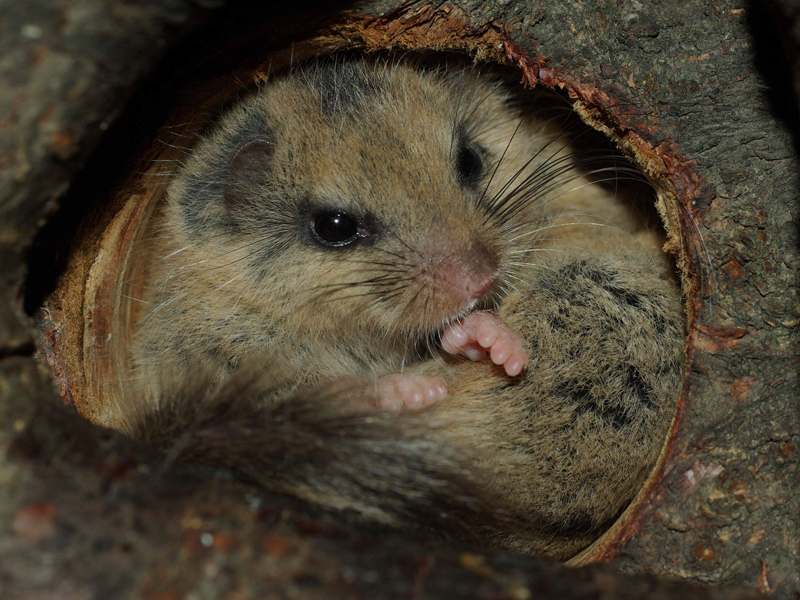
470 273
484 261
476 288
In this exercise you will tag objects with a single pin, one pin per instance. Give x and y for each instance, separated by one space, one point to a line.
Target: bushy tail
393 469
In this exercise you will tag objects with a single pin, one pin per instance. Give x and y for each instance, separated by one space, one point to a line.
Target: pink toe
391 404
513 367
437 391
416 399
487 337
474 353
403 385
500 353
457 335
454 339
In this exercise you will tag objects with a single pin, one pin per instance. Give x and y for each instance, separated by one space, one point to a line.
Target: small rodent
340 229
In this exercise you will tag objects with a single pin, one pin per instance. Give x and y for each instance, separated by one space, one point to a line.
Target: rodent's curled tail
393 469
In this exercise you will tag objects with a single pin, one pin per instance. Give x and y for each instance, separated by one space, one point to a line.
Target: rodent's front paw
397 391
480 334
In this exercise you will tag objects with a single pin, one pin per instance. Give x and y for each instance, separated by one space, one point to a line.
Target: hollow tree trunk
85 513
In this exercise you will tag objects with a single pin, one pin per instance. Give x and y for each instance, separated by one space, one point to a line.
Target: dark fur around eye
470 165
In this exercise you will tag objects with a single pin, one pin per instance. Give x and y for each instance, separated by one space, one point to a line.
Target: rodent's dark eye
469 164
335 228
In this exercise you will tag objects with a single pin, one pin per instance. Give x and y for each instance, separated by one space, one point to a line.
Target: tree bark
85 513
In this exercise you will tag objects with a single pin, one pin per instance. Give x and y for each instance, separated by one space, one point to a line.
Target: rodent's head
357 193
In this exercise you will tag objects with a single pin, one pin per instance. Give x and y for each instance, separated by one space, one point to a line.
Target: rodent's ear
247 170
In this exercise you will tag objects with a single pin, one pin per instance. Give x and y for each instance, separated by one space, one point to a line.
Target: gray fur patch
202 203
342 87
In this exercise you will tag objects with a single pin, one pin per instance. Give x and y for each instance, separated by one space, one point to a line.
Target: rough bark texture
66 70
86 514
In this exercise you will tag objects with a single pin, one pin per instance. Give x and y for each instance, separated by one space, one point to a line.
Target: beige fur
558 451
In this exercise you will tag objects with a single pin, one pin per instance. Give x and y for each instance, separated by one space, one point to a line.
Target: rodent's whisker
544 177
532 187
183 148
528 251
404 243
374 263
171 254
158 307
493 203
627 234
703 267
569 224
334 287
383 295
395 254
163 174
521 209
500 160
231 280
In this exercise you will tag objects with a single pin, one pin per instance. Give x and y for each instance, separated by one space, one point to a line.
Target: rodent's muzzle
465 275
